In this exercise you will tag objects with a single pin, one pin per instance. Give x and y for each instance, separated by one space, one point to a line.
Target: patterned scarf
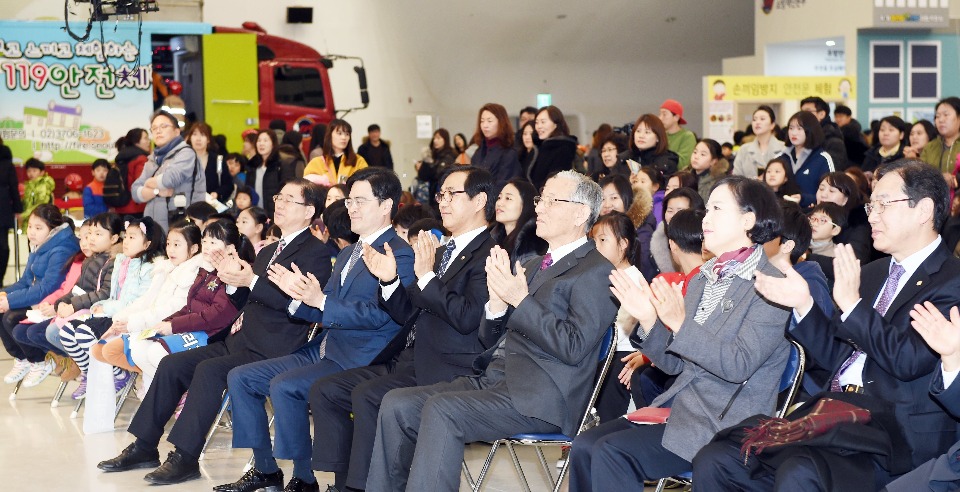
728 261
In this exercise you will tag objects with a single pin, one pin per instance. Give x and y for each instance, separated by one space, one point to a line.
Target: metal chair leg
13 394
486 466
563 473
466 474
516 464
124 392
543 462
661 484
59 394
213 428
76 409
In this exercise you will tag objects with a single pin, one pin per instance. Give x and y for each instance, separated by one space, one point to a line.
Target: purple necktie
889 292
547 261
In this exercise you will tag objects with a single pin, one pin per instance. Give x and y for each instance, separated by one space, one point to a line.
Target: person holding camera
171 179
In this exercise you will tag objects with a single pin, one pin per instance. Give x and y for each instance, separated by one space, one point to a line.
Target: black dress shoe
254 480
297 485
131 458
176 469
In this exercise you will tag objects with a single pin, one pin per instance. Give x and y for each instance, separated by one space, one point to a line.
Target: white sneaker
38 372
17 372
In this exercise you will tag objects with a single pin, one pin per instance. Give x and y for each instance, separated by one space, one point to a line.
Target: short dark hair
409 214
921 180
753 196
846 185
796 228
200 211
696 201
425 225
240 158
952 101
529 110
818 102
312 193
686 179
34 163
260 217
373 128
383 182
841 109
108 221
100 163
161 113
337 220
49 214
686 230
278 124
836 213
478 180
811 128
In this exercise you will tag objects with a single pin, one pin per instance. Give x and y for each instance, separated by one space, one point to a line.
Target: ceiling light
831 43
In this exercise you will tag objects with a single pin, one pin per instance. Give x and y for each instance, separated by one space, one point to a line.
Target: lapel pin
463 257
919 283
726 305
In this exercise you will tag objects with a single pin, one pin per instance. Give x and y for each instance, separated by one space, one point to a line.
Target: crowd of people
472 306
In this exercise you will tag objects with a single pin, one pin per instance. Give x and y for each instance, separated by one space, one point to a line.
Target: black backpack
115 191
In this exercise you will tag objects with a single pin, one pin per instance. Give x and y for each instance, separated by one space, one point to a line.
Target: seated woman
842 190
724 341
515 226
675 201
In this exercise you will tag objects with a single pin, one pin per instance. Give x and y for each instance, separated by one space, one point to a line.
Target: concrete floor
42 448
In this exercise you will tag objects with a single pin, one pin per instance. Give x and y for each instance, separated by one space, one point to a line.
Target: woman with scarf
723 340
172 170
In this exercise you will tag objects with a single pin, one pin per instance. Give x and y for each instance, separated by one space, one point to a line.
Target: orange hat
674 107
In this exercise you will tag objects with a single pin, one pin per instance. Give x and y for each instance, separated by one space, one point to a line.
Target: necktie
547 261
889 292
239 322
354 257
444 263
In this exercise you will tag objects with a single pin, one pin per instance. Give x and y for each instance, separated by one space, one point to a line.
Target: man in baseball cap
680 140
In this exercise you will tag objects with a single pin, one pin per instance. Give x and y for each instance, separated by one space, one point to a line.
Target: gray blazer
742 341
177 170
553 337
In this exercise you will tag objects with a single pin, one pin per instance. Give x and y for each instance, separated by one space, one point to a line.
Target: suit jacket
356 328
553 337
740 345
268 329
899 365
447 313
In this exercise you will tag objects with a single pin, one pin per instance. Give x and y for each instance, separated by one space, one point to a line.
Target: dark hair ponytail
227 232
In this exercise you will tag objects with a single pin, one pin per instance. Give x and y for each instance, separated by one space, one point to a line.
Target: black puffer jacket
9 192
95 272
555 154
666 162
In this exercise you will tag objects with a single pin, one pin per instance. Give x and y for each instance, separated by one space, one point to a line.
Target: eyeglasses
881 206
283 199
820 220
446 196
159 128
548 202
359 202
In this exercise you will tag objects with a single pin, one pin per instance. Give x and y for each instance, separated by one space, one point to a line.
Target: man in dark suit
439 340
552 314
870 348
356 329
263 330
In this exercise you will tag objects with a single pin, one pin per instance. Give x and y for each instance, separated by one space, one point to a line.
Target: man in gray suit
553 314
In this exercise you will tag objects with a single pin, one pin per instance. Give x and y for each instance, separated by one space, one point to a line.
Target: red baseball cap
674 107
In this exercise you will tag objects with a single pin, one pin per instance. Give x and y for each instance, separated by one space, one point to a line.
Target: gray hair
587 192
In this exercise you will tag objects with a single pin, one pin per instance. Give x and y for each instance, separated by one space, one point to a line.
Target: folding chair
789 386
225 405
121 397
607 351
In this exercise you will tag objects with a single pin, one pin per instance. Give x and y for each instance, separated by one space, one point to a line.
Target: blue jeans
32 338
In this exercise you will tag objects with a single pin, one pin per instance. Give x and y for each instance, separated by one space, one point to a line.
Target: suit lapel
918 281
292 248
872 284
464 257
560 267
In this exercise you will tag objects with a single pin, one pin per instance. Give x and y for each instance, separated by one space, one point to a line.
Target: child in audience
93 203
252 223
827 221
199 213
48 338
244 199
407 215
103 240
776 177
433 226
54 245
206 307
37 190
132 273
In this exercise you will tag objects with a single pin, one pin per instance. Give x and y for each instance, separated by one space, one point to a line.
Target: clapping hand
669 303
636 298
231 269
791 291
294 283
65 310
381 265
941 334
508 288
425 253
846 272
